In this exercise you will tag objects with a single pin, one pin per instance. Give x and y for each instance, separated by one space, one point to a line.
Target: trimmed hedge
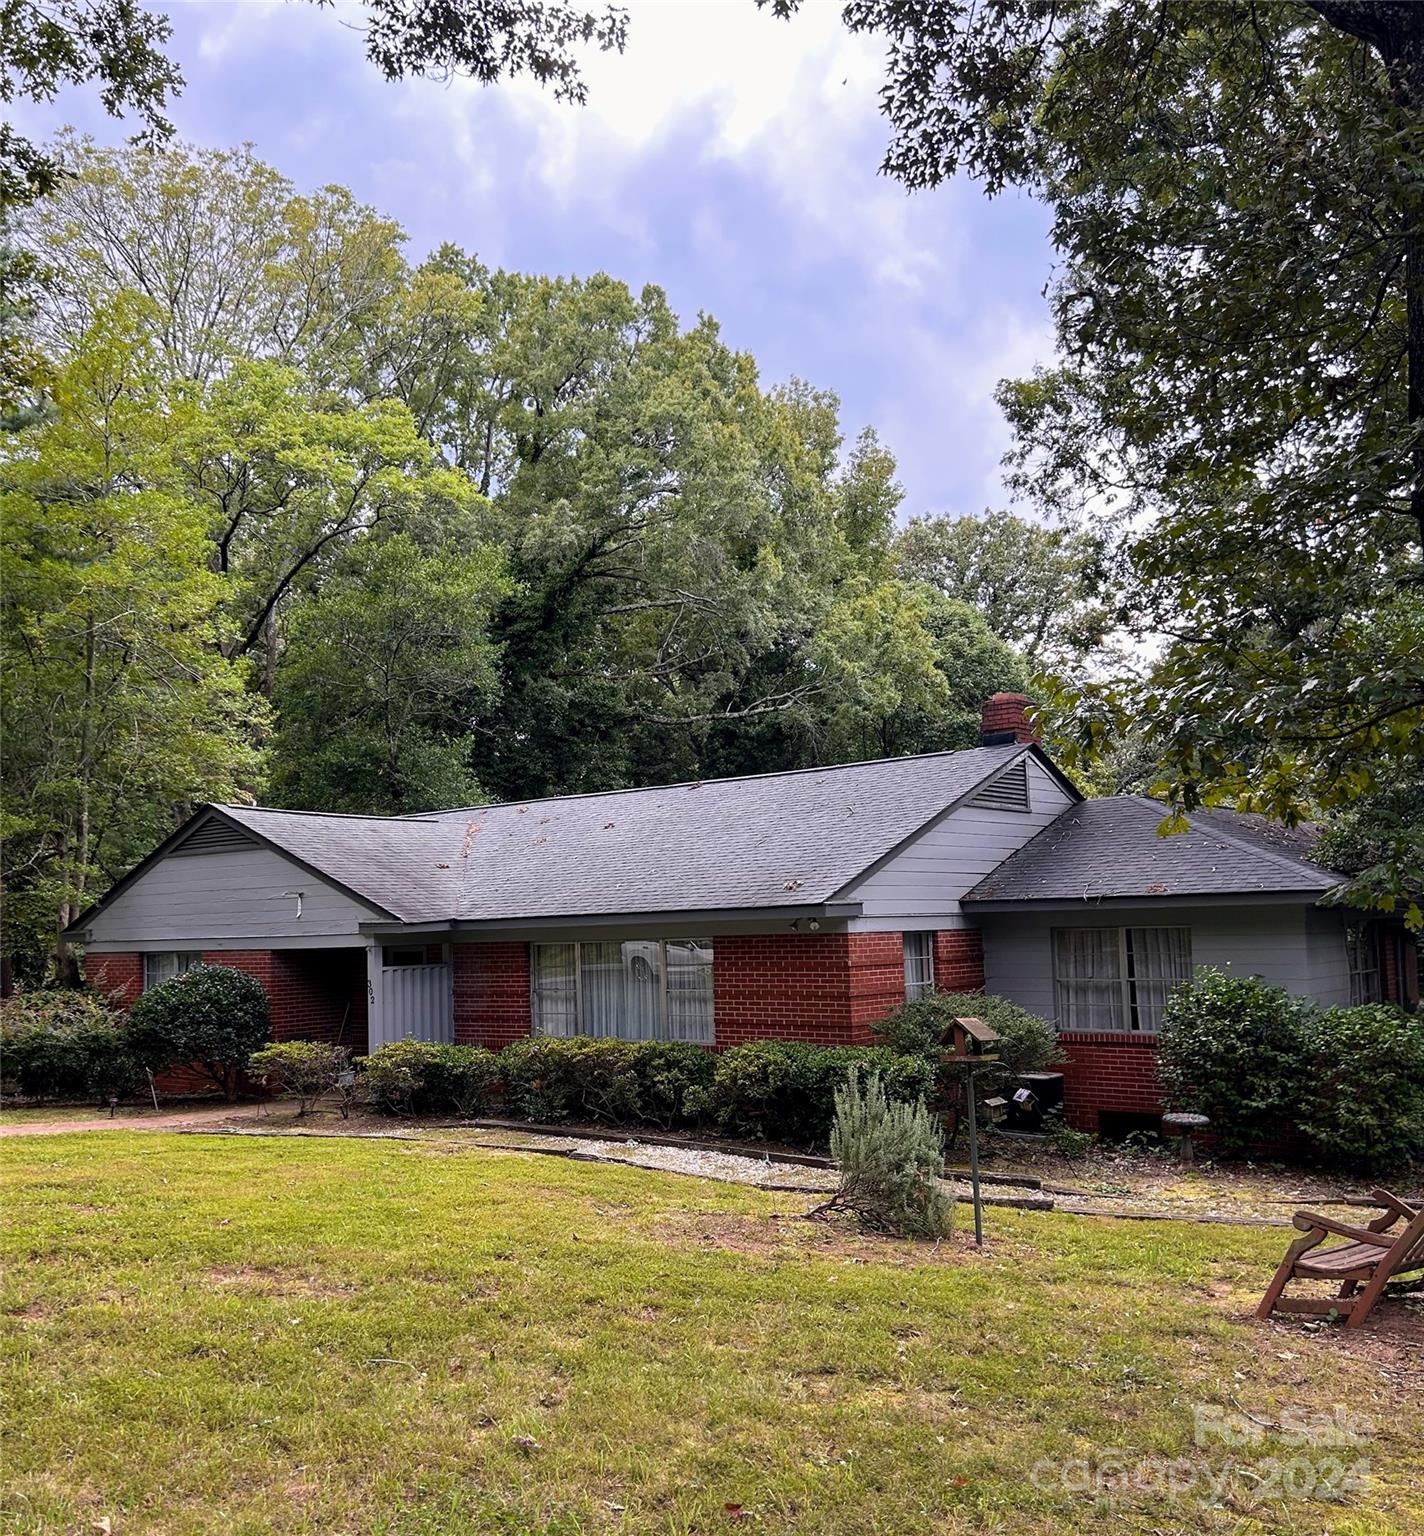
1265 1066
417 1077
782 1091
786 1091
66 1043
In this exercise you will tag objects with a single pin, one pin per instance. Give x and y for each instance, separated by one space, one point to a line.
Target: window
1118 979
402 954
919 965
165 965
1362 950
644 989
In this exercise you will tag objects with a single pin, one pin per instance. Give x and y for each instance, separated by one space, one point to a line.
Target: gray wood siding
1329 962
224 899
1278 944
922 883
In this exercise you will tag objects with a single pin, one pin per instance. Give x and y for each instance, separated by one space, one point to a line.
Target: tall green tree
1040 589
1237 193
237 265
119 708
386 673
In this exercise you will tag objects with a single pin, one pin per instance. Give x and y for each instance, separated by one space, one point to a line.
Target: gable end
1009 792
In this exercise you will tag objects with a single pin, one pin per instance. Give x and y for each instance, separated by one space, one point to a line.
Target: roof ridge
1286 860
429 818
730 778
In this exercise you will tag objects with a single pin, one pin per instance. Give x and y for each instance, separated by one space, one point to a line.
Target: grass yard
222 1335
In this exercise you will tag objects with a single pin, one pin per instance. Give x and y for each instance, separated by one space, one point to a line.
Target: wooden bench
1369 1257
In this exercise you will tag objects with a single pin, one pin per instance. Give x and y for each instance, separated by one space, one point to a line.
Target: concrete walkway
163 1120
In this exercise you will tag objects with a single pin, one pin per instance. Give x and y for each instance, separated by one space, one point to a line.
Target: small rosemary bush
890 1155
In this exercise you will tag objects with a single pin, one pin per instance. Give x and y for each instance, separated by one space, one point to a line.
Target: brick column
492 1003
959 960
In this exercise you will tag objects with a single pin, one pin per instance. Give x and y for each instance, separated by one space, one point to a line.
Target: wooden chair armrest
1391 1202
1306 1220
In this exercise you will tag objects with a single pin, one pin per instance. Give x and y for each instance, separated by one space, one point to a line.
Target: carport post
375 1024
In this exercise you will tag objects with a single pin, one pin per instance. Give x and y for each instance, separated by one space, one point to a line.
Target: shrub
673 1080
1027 1042
786 1091
306 1068
890 1156
1233 1048
418 1077
1362 1099
395 1076
656 1082
65 1043
212 1017
461 1079
538 1078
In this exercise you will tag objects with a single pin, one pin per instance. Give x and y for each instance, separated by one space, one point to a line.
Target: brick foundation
1108 1073
959 960
492 1005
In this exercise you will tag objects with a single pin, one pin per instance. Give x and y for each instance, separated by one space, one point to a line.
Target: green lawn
211 1335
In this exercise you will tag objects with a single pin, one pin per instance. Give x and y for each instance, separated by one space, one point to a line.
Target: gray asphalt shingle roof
1111 848
786 839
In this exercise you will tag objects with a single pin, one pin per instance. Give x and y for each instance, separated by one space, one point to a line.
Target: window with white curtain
1362 949
919 965
644 989
1118 979
164 965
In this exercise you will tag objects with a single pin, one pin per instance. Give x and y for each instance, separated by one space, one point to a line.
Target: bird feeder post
972 1042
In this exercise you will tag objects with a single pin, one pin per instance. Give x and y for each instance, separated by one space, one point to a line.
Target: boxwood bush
420 1077
212 1017
1233 1048
307 1069
1362 1097
65 1043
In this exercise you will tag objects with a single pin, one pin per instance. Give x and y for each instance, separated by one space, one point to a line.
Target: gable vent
212 836
1009 792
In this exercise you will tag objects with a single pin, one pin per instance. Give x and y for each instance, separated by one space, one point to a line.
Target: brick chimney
1005 719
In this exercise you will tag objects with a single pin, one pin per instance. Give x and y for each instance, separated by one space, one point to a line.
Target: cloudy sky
728 157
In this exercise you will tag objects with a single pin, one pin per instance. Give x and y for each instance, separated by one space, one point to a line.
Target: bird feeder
972 1039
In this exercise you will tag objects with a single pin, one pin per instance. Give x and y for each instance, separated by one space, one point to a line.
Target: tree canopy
446 532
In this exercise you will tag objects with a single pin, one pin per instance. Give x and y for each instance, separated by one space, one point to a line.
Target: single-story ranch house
801 905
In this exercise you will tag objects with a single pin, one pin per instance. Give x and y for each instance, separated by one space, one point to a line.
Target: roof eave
1119 902
829 911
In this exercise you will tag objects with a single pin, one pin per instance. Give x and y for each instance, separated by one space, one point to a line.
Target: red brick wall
825 988
1107 1072
118 977
492 1004
959 960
